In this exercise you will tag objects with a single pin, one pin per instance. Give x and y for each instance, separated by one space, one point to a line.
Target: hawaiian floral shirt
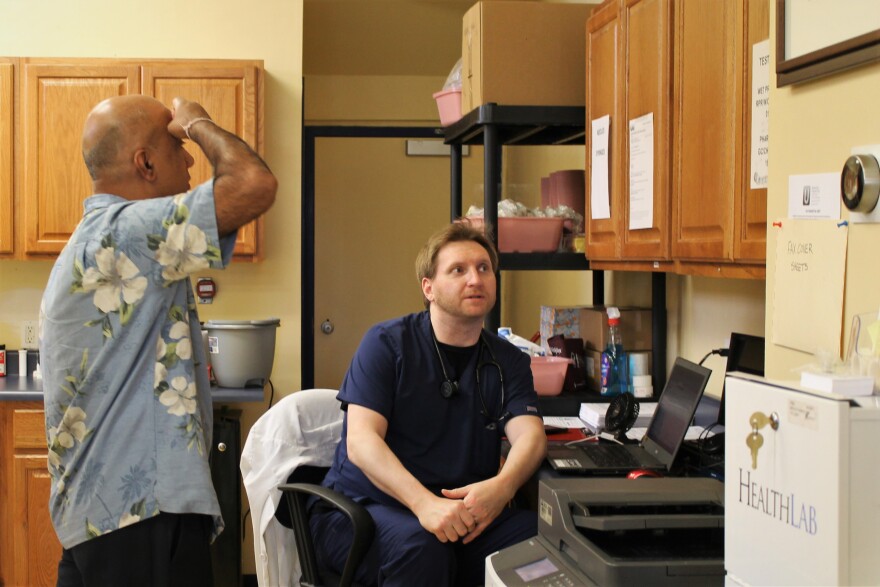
126 391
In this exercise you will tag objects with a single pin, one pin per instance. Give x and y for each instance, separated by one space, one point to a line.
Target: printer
618 531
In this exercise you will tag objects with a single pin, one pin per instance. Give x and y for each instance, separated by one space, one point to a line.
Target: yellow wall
270 30
813 126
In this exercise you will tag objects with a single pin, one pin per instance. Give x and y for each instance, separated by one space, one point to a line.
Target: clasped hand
463 512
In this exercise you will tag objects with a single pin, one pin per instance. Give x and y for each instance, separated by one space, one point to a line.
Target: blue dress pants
405 554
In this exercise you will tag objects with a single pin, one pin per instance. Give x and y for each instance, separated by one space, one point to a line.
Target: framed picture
821 37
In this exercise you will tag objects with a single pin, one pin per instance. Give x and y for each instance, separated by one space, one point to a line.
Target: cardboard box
524 54
590 323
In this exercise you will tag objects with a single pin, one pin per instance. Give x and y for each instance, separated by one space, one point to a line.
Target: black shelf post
491 197
455 211
658 331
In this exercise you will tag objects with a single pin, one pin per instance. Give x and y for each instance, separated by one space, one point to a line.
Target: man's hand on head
183 112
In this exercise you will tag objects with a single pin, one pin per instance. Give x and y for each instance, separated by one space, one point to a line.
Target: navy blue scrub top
444 443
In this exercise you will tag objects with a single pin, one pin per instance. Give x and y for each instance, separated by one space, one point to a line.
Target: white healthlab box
807 511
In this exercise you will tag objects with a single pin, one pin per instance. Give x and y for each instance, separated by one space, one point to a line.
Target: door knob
327 327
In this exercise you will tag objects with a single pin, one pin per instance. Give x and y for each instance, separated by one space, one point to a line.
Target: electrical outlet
29 337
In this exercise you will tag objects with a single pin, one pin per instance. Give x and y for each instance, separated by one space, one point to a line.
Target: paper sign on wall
814 196
641 172
760 113
808 296
600 206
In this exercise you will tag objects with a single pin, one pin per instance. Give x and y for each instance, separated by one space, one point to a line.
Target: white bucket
241 352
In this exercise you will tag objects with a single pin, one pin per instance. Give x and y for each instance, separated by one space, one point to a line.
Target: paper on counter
564 422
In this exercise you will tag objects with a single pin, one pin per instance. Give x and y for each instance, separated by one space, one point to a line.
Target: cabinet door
7 99
750 219
707 139
647 77
36 550
35 547
604 96
231 94
55 100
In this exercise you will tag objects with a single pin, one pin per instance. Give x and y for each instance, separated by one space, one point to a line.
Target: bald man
126 391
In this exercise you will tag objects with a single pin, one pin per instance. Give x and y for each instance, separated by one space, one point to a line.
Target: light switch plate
873 215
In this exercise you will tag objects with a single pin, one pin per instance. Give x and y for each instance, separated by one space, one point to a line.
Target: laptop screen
745 354
676 406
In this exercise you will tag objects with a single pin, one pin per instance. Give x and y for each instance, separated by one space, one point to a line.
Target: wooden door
55 100
7 101
36 550
707 108
364 253
750 217
604 96
647 77
35 547
231 93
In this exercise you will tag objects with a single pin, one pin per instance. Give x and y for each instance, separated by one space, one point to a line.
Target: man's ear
143 165
428 289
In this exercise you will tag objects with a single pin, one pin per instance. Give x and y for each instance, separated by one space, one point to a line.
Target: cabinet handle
221 446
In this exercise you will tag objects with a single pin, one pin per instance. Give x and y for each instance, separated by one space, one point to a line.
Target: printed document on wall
641 172
600 206
760 113
808 297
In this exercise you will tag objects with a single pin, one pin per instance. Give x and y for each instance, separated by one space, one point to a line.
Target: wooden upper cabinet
56 95
231 94
647 77
55 100
750 221
7 161
716 216
629 76
604 97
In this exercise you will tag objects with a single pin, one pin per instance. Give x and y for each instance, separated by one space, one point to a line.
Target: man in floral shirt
128 404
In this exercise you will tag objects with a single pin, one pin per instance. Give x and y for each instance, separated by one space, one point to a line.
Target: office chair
287 452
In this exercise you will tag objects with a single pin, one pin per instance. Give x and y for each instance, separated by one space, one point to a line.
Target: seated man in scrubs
428 397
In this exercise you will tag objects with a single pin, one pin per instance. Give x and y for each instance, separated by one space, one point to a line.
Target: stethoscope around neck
450 387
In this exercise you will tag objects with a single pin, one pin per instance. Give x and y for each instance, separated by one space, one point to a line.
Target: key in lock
755 440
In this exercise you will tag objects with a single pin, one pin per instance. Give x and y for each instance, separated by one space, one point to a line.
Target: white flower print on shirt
183 252
116 281
180 332
184 248
71 428
180 397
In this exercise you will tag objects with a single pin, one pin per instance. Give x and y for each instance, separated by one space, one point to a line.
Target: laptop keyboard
612 455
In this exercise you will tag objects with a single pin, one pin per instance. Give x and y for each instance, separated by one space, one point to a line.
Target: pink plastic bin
526 234
449 105
549 374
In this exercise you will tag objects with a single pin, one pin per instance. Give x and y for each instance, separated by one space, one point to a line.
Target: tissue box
590 323
524 54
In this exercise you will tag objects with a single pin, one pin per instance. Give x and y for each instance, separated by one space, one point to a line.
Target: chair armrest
363 527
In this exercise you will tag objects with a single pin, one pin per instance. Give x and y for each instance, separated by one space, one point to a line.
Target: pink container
545 191
449 105
549 374
526 234
567 188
